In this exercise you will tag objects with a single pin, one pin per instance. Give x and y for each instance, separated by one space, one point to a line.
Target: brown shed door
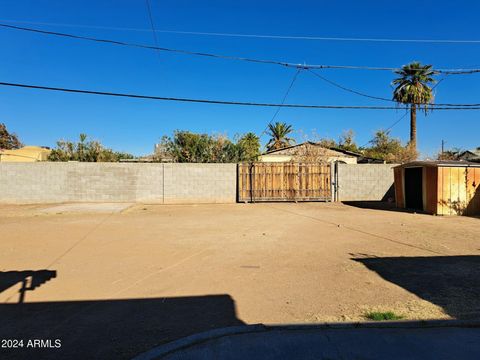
414 188
284 182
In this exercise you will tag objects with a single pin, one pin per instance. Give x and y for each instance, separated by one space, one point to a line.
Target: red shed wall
430 187
398 181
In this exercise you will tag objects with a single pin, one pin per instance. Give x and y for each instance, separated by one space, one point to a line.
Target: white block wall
52 182
364 182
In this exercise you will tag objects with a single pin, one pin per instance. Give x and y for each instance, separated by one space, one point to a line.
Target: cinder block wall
365 182
51 182
200 183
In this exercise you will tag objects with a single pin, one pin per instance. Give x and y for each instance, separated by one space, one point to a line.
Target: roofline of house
315 144
333 148
472 152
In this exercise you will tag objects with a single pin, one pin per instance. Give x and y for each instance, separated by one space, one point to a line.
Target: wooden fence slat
284 182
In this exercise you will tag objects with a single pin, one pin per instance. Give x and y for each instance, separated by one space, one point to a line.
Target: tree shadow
30 280
473 207
451 282
470 207
111 329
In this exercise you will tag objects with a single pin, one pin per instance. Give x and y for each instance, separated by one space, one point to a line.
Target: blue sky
41 118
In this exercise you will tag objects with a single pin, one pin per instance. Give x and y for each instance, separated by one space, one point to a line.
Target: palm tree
413 87
278 136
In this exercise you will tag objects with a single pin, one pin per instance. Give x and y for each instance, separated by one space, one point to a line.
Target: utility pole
443 147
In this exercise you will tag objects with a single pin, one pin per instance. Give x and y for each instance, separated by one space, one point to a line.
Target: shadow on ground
380 205
452 282
111 329
29 280
123 328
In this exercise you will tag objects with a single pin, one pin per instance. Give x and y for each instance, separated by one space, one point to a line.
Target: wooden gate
289 181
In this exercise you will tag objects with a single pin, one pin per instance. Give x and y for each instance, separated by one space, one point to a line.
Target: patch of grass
382 316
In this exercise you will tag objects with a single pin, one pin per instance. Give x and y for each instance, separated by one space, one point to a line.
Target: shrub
382 316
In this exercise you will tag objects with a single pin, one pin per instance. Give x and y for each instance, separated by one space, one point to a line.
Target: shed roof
439 163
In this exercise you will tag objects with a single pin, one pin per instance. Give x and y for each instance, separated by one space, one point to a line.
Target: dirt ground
140 275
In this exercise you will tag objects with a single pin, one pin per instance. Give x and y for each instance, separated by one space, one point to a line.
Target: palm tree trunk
413 126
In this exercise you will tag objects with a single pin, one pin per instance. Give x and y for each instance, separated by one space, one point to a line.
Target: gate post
334 181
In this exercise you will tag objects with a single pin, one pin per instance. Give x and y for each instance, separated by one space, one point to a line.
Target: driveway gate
289 181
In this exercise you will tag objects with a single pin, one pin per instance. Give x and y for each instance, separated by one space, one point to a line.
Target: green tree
384 147
413 87
188 147
249 146
85 151
278 133
8 141
347 141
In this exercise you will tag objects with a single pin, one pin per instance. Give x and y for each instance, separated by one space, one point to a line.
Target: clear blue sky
41 118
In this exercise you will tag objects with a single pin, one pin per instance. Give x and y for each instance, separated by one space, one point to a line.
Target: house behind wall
315 153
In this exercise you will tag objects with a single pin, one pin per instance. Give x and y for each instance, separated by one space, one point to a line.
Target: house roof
474 152
346 152
439 163
361 158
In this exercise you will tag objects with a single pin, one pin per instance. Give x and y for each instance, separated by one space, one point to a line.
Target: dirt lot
112 280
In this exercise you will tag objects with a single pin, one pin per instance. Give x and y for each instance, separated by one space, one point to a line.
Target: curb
196 339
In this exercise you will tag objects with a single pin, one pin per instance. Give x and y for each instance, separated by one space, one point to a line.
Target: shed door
414 188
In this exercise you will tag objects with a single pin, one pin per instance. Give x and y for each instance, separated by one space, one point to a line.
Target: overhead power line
396 122
324 38
226 57
261 36
390 127
152 24
348 89
382 98
221 102
283 101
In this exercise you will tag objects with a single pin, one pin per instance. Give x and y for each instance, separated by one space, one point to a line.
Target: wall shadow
30 280
380 205
452 282
390 194
116 329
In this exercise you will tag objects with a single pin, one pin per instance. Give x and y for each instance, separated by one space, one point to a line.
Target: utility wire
264 36
143 46
347 89
220 102
283 102
324 38
226 57
152 25
382 98
396 122
390 127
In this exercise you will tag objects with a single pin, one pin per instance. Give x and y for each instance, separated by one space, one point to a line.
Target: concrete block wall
200 183
51 182
364 182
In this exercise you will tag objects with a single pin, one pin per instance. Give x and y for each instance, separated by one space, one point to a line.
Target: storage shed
439 187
